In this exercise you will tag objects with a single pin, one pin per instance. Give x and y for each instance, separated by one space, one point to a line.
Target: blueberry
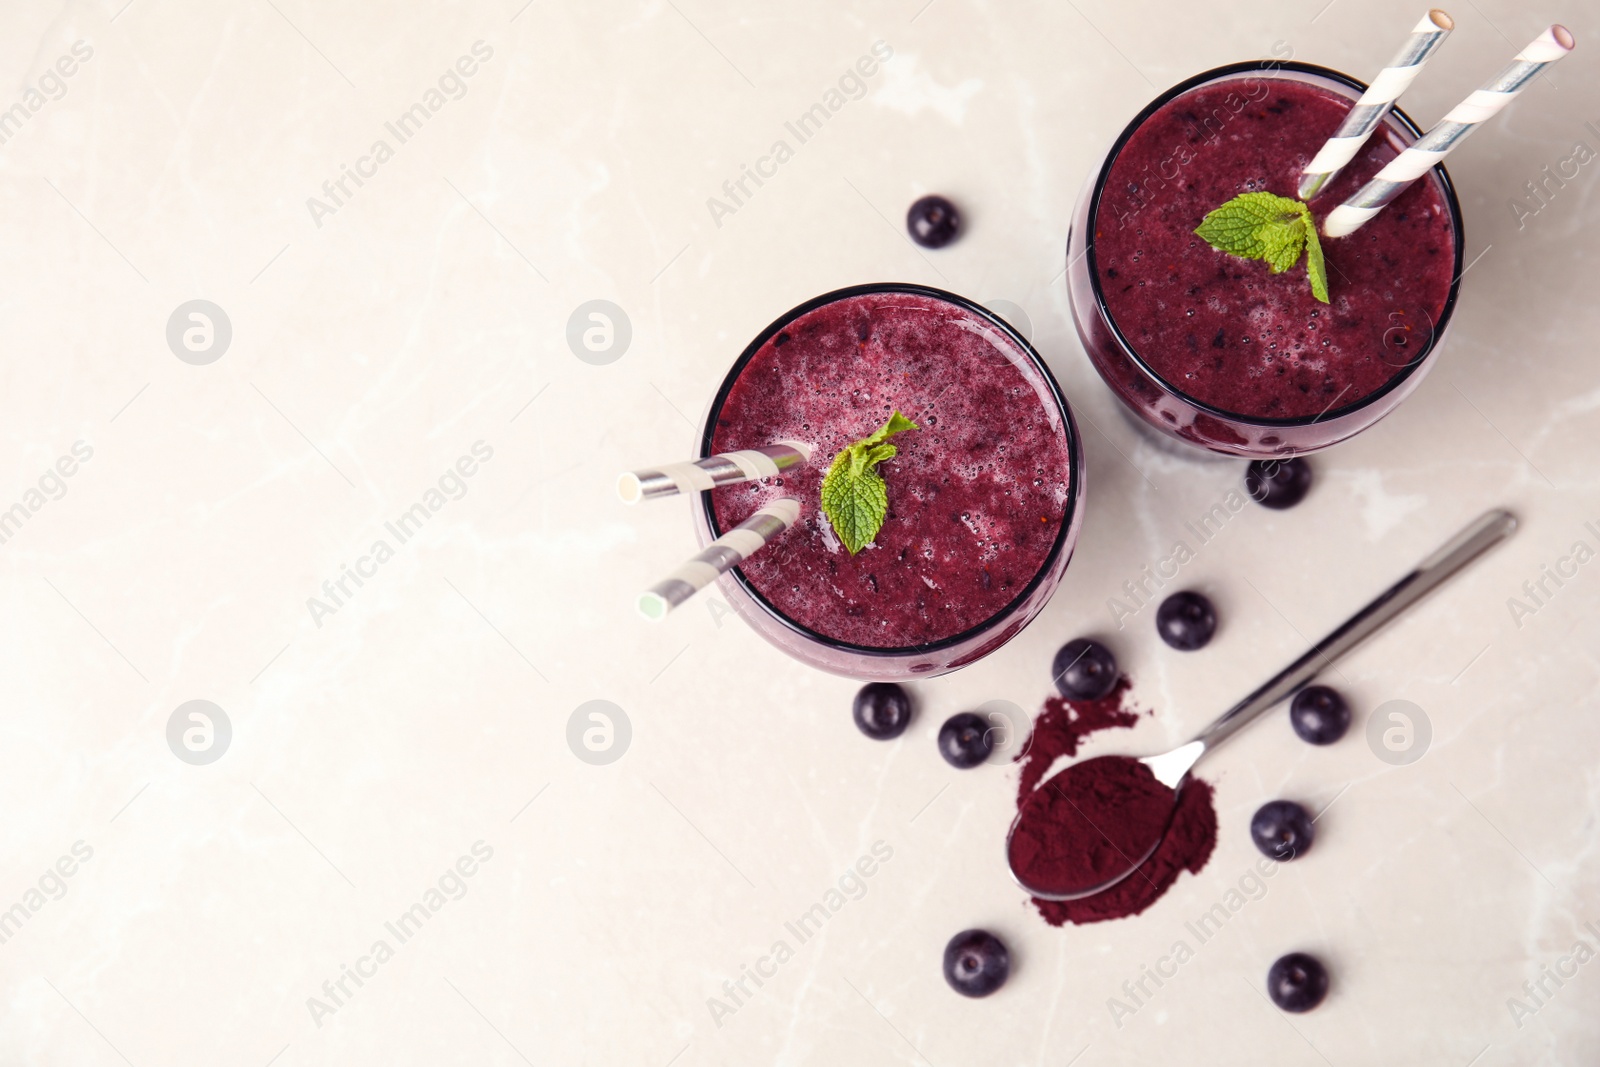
1084 669
1283 830
1297 982
933 222
976 963
1278 483
964 740
1186 621
882 711
1319 715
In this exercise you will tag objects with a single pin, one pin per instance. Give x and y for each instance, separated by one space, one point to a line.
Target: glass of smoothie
983 497
1213 349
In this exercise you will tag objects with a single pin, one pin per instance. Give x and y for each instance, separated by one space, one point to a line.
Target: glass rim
1069 430
1272 66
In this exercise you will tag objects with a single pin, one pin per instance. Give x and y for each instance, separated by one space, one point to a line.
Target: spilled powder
1062 726
1057 843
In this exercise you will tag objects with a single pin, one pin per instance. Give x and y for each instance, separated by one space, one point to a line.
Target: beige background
428 313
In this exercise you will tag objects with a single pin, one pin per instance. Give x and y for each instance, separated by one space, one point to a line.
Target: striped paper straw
1451 130
725 469
719 557
1375 103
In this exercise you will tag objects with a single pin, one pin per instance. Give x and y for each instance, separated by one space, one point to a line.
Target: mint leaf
1316 269
1242 225
897 423
854 495
855 502
1271 228
1282 246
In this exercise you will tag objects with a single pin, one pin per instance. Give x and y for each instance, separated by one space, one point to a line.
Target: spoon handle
1482 534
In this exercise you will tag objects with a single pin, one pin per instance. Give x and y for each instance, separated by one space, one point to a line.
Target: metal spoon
1172 768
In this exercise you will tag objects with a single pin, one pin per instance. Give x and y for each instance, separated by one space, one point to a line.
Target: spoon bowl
1113 840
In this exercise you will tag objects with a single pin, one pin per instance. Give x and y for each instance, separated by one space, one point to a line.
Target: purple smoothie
1225 331
977 496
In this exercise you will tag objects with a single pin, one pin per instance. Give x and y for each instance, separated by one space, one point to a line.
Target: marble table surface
285 281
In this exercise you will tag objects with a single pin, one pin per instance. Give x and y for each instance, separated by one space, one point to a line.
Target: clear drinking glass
936 657
1164 406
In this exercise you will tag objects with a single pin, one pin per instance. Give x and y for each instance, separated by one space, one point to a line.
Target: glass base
1171 446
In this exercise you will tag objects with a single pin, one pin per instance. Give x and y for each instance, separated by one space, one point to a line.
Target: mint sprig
1274 228
854 495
